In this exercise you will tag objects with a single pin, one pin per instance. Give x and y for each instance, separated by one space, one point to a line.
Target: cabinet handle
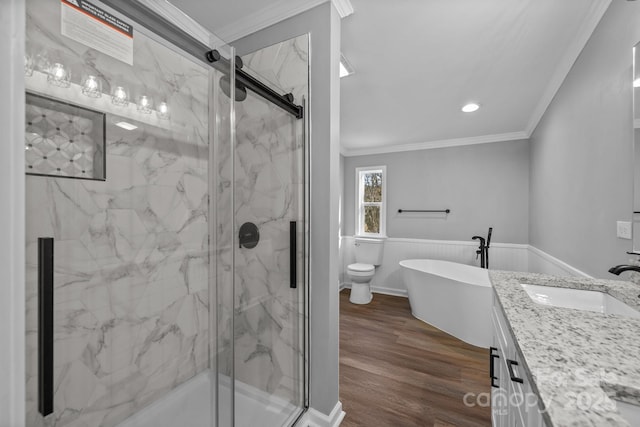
492 357
513 377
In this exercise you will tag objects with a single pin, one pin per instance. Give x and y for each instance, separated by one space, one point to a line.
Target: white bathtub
455 298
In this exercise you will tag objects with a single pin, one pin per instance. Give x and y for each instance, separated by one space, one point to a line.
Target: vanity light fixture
92 86
59 76
120 97
163 111
126 125
144 104
470 108
346 69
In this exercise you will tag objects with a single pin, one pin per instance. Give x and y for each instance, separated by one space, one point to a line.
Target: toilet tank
369 251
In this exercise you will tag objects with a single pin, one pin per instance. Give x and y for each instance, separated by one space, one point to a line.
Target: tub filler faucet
483 249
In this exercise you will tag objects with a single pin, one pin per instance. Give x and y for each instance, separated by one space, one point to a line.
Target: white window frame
360 204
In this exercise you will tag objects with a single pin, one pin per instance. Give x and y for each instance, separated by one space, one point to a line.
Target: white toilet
368 256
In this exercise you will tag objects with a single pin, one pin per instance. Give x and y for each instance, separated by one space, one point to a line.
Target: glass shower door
118 156
269 282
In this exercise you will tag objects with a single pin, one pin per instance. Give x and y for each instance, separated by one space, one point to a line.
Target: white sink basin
579 299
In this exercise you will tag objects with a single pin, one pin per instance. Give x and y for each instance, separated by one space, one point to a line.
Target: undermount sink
579 299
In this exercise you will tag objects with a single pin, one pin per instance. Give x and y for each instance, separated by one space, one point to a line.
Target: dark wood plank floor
397 371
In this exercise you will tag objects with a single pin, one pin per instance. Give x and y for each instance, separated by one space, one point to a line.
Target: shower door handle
45 325
293 251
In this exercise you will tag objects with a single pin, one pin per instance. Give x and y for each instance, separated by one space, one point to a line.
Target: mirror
636 148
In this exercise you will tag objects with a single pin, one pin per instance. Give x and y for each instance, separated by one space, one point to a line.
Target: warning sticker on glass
92 26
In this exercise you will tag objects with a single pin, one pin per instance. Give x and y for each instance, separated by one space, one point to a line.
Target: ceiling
418 62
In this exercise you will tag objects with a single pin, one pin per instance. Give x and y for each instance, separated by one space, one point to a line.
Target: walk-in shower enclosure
166 228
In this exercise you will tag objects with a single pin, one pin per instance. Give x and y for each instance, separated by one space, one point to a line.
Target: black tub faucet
620 268
481 250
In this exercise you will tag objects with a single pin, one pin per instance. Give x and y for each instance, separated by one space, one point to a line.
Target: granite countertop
577 360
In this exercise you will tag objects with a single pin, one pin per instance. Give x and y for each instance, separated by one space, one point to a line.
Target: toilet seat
360 269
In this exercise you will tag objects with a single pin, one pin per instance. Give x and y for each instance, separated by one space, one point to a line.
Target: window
371 201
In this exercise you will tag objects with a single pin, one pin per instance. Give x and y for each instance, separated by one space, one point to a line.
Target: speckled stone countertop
577 360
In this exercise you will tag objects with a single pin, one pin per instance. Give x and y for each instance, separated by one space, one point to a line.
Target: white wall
323 24
12 298
484 185
581 152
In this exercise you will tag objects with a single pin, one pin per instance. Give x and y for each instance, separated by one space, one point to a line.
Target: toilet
368 256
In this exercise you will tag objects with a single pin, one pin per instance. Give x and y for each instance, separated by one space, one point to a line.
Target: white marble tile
131 255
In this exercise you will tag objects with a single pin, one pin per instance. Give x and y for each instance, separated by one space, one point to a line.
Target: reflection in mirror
636 148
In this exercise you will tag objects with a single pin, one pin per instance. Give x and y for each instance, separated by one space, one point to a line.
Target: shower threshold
192 404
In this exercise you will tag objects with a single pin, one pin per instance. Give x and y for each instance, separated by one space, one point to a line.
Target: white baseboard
314 418
380 290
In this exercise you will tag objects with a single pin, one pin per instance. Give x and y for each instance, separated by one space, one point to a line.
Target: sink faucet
620 268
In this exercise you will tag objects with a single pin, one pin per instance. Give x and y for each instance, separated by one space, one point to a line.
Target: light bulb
92 87
58 71
59 76
144 104
163 111
28 66
470 108
120 97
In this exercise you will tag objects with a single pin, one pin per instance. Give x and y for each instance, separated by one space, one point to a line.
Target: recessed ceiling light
346 69
127 126
470 108
636 82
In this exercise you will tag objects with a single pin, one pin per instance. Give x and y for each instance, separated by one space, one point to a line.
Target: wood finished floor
397 371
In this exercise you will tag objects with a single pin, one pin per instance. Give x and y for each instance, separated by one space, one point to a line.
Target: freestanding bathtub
455 298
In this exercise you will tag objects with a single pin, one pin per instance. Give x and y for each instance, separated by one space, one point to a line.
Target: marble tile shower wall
269 180
131 253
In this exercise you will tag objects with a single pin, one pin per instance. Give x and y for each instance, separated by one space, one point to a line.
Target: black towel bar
420 210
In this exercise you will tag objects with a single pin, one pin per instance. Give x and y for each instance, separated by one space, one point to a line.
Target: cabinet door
499 403
499 395
533 417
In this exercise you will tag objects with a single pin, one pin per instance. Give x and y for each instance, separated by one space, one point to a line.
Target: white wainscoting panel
502 256
542 262
388 278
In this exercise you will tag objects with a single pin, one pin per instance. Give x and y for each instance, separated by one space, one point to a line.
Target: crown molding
276 12
182 21
564 66
344 7
444 143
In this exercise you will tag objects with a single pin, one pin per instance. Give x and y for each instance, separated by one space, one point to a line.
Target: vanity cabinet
513 401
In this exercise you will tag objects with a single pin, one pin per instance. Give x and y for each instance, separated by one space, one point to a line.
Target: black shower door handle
293 251
45 325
